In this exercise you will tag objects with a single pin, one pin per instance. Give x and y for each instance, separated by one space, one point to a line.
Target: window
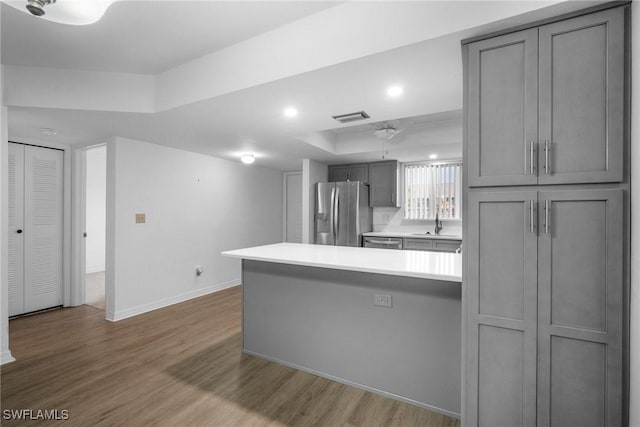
431 188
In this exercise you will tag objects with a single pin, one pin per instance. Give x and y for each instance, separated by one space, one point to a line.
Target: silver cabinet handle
547 215
532 226
532 154
547 157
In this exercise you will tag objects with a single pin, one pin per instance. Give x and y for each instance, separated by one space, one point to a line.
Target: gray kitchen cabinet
501 282
441 245
435 245
338 173
383 182
546 105
356 172
417 244
581 96
545 308
503 109
580 308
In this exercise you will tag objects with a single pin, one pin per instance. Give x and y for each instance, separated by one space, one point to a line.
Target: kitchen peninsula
383 320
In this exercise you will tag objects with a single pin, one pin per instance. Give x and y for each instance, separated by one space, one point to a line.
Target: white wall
96 199
634 415
312 172
196 206
5 353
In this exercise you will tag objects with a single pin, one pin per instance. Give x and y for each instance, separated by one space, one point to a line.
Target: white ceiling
359 63
143 37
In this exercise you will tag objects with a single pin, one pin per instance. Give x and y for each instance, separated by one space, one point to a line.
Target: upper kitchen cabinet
503 109
581 96
383 181
546 105
357 172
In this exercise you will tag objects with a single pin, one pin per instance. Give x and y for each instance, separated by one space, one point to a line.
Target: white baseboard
6 357
356 385
94 270
145 308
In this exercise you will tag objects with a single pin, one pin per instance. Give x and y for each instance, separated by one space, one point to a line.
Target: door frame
285 177
79 279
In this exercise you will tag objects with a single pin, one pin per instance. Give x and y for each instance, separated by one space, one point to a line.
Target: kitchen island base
324 321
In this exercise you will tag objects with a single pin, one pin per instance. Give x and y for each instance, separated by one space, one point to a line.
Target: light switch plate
141 218
383 300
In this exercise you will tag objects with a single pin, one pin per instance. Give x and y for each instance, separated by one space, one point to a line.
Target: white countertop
420 264
412 235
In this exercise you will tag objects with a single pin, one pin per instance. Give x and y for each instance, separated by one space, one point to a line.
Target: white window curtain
431 188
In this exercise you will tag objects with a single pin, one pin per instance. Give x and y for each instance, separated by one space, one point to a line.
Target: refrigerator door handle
332 213
335 214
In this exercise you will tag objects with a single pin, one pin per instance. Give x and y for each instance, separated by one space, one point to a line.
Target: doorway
95 226
293 207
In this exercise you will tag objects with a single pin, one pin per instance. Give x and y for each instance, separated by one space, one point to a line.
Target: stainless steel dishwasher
383 242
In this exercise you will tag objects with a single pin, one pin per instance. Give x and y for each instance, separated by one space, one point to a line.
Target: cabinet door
501 279
580 308
417 244
446 245
338 173
359 173
582 99
502 110
384 184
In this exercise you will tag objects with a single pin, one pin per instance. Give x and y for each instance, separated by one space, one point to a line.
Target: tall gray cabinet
546 224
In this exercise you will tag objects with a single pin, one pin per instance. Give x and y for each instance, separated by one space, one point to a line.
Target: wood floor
177 366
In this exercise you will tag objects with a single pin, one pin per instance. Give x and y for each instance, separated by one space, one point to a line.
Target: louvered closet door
43 194
16 236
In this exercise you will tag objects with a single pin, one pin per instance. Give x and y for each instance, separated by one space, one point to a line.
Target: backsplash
392 220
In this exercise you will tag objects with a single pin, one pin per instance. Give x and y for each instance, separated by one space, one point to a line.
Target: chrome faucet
438 225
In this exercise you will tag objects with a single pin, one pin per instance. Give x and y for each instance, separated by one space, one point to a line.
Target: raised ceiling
215 76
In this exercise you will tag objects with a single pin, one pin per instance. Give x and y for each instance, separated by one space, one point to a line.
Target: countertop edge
373 270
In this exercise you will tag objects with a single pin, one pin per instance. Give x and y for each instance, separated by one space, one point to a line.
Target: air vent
351 117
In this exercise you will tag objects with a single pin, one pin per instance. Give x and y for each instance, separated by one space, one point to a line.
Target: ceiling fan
386 133
71 12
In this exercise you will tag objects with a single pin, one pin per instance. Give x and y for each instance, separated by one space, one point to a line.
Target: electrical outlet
382 300
141 218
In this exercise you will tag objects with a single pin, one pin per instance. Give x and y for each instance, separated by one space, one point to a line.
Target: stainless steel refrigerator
342 213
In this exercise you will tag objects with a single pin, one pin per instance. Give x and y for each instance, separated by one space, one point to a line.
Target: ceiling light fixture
70 12
248 158
395 91
386 133
290 112
433 156
48 131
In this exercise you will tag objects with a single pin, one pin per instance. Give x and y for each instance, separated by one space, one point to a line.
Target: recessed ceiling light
433 156
290 112
248 158
395 91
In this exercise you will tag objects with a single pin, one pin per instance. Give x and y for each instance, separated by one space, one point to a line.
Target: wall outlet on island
382 300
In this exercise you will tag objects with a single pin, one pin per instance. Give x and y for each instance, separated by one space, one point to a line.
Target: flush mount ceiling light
248 158
290 112
71 12
48 131
395 91
433 156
